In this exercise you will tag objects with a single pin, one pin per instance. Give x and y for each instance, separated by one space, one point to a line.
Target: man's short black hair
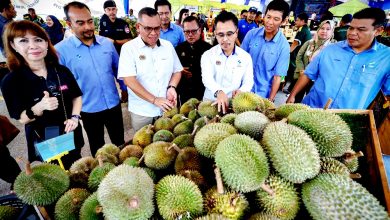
4 4
243 11
258 13
150 12
162 3
279 5
74 4
191 19
30 9
347 18
225 16
377 14
304 17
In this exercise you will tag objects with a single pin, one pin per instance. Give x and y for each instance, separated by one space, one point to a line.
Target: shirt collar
223 53
373 47
141 43
77 42
275 39
4 19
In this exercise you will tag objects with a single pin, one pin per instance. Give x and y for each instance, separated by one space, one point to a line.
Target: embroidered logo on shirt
104 23
218 62
239 63
183 54
78 56
142 57
127 30
63 87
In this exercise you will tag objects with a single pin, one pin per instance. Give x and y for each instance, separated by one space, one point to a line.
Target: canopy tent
350 7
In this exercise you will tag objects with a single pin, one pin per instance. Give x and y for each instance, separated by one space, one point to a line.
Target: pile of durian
257 162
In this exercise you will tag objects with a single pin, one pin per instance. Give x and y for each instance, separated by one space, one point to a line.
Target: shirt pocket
270 58
367 76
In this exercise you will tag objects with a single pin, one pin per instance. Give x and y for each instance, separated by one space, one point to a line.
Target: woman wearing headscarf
311 49
55 29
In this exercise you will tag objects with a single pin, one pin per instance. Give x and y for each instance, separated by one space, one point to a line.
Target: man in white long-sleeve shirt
226 69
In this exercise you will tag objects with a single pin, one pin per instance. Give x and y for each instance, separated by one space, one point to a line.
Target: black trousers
94 124
10 169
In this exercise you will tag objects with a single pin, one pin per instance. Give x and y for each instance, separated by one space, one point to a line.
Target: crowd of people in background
71 77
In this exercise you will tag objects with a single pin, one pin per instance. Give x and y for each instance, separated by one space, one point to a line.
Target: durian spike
196 127
268 189
100 160
141 159
99 209
133 202
328 103
218 178
44 213
27 165
355 176
348 156
174 146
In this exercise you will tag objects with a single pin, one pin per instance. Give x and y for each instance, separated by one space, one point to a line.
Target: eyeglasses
191 31
228 34
150 29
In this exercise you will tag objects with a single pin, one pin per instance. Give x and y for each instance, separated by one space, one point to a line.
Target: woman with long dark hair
39 92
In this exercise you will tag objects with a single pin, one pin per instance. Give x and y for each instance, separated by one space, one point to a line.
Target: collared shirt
220 72
3 22
153 69
351 79
302 36
243 27
117 30
173 34
189 56
270 58
340 33
94 68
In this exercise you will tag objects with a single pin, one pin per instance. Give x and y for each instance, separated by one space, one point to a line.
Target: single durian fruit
159 155
130 151
333 196
98 174
350 159
193 115
91 209
186 108
292 152
68 206
284 203
200 122
144 136
206 108
331 165
330 133
9 212
285 110
212 217
230 204
163 135
208 137
186 140
229 118
178 118
126 193
41 185
171 113
164 123
83 165
108 153
133 161
247 101
187 159
243 163
178 198
251 123
194 176
185 127
263 216
193 101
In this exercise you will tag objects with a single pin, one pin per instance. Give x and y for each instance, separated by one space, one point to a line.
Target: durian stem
134 202
188 174
150 128
141 159
100 160
328 103
355 176
195 130
268 189
218 178
98 209
206 120
284 120
174 146
44 213
28 168
350 156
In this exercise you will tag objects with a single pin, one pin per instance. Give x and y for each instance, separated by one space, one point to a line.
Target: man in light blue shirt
169 31
93 61
269 50
350 72
247 24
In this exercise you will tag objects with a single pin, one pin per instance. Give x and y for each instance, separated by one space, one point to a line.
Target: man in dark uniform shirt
340 33
190 52
112 27
118 31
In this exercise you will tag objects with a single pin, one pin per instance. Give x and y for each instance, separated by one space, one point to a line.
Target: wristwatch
76 116
216 93
170 86
30 114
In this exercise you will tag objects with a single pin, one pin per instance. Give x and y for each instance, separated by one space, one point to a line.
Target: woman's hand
71 124
48 103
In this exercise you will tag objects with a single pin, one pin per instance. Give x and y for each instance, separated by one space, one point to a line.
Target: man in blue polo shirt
350 72
247 24
269 50
169 31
